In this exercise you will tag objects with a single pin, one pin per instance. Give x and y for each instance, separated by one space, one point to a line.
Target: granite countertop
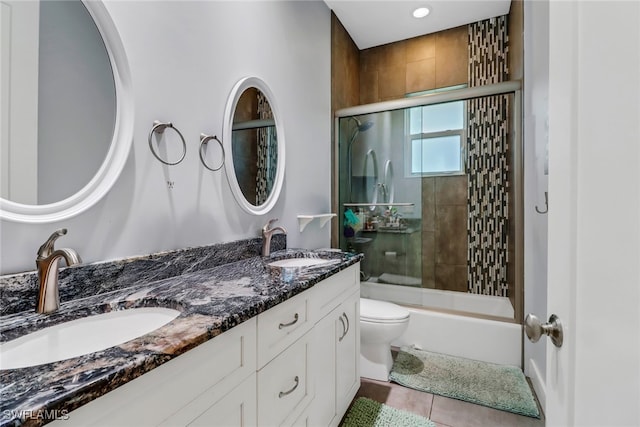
211 301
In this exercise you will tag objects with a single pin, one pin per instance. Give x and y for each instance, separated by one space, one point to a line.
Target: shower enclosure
430 191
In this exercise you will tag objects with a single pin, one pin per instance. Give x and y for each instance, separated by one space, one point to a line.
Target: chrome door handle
293 322
344 329
347 319
534 329
284 393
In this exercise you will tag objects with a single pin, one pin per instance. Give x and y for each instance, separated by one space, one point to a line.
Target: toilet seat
375 311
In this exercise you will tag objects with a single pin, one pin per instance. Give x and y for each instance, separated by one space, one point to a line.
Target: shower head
362 126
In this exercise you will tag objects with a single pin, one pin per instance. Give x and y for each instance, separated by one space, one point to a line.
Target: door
594 214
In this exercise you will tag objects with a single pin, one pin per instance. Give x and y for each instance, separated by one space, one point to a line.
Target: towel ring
159 127
204 139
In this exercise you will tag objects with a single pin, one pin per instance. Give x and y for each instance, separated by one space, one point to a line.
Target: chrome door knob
534 329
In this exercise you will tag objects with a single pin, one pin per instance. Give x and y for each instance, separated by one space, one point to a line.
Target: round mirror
67 112
254 137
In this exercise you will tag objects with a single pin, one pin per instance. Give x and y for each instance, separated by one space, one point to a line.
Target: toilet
381 322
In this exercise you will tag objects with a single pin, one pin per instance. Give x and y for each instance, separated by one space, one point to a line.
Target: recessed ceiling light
421 12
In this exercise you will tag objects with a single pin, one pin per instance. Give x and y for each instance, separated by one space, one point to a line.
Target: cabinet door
237 408
323 410
347 352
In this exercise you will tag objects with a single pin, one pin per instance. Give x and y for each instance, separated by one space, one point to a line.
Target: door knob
534 329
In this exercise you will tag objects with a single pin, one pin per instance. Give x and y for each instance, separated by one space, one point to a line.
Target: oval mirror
67 112
254 136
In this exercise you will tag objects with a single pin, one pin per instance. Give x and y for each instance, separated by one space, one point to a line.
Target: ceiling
377 22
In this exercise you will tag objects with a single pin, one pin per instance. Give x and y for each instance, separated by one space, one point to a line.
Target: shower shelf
304 220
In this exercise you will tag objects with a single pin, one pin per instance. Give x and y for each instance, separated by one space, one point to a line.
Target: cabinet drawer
326 294
285 386
282 325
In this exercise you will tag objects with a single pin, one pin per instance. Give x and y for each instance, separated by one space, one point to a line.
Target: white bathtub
456 334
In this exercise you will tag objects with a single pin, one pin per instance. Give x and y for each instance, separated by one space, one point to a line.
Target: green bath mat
496 386
368 413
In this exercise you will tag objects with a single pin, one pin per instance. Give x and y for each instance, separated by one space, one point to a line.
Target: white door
594 215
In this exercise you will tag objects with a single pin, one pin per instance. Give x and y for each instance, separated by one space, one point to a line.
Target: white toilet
380 323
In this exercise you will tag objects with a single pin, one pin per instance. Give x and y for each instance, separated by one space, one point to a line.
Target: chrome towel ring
159 127
204 139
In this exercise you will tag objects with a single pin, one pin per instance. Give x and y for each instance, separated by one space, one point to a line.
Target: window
435 139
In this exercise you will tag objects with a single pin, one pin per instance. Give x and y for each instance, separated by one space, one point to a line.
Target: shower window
435 138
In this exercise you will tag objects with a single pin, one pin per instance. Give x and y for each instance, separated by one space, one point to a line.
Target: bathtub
439 331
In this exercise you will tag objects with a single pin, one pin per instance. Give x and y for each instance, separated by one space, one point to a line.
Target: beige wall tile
392 54
421 75
428 259
422 47
451 277
451 235
428 204
370 60
391 82
452 56
369 87
451 190
345 67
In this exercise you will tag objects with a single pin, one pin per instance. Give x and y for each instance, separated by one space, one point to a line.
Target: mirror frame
120 146
227 129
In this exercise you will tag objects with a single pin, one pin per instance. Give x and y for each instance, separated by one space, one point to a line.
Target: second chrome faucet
267 233
47 263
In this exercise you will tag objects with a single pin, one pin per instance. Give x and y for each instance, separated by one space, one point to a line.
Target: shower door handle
534 329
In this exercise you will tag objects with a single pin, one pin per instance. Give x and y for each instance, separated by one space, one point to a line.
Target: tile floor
444 412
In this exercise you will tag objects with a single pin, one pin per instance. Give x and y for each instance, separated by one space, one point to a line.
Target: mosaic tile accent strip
267 152
488 161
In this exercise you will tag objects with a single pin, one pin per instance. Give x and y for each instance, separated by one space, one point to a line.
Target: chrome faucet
267 233
47 263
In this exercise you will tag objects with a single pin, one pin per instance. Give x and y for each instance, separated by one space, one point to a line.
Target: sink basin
82 336
301 262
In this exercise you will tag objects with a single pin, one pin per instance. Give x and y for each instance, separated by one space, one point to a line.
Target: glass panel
468 267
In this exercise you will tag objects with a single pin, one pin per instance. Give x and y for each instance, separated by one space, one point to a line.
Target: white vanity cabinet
294 364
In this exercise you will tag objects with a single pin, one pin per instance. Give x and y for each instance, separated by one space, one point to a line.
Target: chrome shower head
362 126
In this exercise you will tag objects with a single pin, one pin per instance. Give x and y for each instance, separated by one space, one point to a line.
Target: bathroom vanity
255 344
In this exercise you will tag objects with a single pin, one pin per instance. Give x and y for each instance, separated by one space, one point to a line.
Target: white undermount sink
82 336
301 262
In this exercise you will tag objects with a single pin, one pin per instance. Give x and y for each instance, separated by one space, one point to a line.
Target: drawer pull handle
344 330
285 325
284 393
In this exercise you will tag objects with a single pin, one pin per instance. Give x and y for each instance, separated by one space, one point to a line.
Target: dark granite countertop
211 301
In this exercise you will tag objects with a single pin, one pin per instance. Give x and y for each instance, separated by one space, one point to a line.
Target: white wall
536 93
184 58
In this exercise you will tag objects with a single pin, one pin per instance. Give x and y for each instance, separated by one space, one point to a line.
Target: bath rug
496 386
368 413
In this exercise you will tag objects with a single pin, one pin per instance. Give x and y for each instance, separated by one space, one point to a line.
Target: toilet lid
377 311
